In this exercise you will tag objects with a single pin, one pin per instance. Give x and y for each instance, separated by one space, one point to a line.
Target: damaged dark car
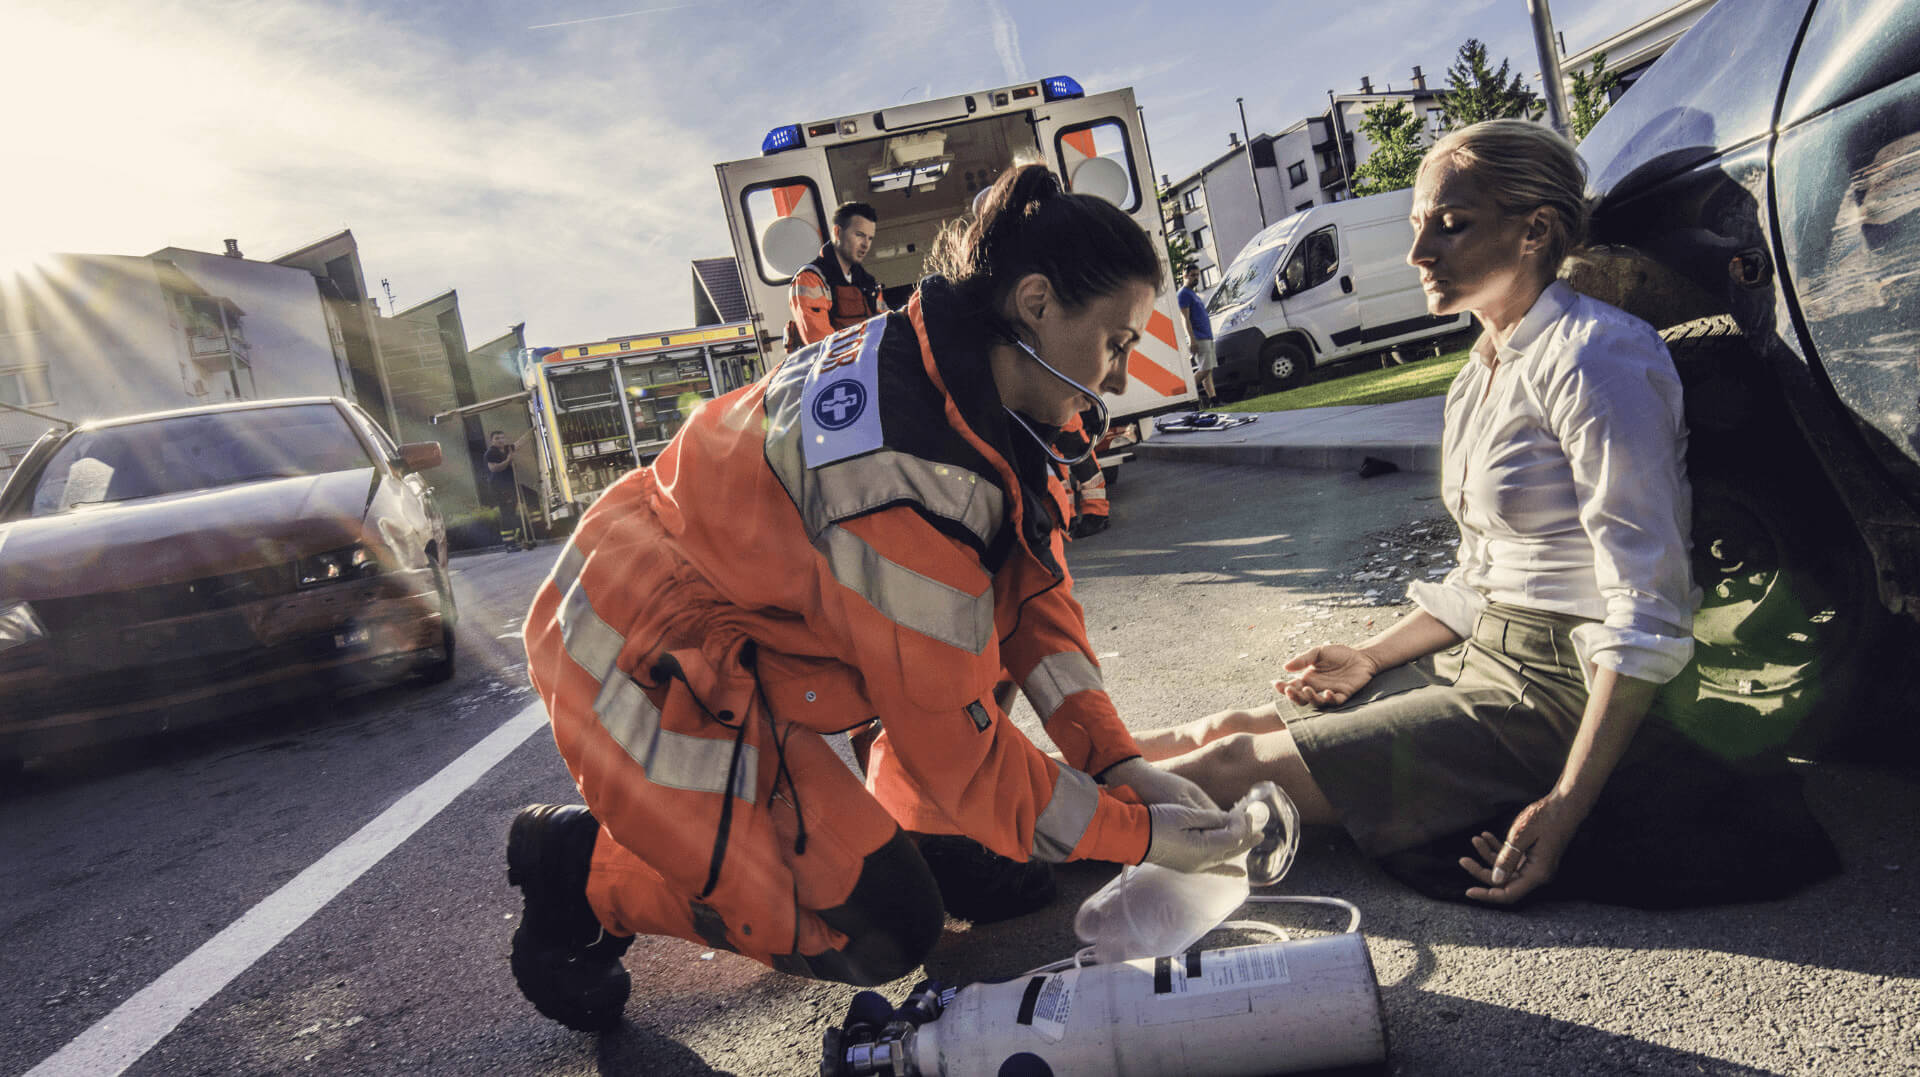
164 569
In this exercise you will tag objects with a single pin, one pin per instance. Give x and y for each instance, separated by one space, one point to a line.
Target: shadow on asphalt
635 1048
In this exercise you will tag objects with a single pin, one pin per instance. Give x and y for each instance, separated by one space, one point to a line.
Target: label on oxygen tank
1199 972
1054 1004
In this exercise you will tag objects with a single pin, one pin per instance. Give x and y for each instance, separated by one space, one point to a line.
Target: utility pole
1247 137
387 288
1543 39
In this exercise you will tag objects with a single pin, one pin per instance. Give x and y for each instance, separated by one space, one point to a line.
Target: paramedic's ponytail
1085 246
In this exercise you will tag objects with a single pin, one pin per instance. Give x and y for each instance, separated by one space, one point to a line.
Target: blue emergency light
1060 87
782 138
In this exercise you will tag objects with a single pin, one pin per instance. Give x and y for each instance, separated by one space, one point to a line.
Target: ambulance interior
919 180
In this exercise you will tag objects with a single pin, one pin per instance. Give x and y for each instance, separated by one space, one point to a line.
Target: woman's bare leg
1162 744
1228 766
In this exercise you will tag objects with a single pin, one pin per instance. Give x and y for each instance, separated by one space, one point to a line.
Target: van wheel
1282 365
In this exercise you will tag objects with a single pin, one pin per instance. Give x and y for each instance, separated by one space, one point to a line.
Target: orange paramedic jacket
867 515
822 301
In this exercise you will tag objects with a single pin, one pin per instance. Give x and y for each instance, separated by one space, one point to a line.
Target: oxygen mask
1149 910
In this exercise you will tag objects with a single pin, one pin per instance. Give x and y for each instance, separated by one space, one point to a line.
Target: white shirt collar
1553 302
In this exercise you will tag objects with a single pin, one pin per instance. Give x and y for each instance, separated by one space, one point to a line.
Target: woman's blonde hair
1524 166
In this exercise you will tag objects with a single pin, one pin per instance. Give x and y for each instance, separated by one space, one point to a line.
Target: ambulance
919 165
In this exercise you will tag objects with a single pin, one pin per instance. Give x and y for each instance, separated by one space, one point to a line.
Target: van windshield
1244 280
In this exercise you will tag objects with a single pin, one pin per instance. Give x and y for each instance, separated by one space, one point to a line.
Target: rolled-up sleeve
1623 429
1451 601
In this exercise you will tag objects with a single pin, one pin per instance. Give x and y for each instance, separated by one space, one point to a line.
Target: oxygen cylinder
1280 1007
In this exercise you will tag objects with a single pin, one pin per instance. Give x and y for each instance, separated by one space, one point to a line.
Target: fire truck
601 409
920 165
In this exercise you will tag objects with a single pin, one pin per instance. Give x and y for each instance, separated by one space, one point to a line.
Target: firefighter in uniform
835 291
871 531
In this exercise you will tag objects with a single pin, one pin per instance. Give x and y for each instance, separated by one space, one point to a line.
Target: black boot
564 962
982 886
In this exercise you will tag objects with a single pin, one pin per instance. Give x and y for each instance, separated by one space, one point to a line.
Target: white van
1326 284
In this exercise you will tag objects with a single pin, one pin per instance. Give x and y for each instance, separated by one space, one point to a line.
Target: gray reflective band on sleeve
1066 818
675 760
851 487
1057 677
907 598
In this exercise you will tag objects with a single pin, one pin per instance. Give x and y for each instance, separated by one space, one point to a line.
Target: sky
553 159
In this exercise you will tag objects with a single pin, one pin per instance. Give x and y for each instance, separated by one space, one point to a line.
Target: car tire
1790 635
439 665
1282 365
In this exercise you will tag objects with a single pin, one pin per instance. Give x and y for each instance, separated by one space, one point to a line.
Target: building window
1191 200
26 387
1296 173
1200 238
1436 121
1308 204
1209 276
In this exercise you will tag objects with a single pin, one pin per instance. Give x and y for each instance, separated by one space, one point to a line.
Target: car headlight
354 562
1237 318
19 626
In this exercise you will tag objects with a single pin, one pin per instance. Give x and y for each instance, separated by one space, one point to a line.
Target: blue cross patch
840 404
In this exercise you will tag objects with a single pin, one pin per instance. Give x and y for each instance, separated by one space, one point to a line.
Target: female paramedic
1563 464
869 532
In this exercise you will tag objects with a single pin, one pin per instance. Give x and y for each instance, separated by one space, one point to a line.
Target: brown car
162 569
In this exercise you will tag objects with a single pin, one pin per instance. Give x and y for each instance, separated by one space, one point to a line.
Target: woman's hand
1511 869
1327 675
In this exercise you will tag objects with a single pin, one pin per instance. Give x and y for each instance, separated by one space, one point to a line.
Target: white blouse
1564 463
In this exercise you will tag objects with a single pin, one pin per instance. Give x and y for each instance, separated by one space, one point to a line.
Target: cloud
605 18
1006 41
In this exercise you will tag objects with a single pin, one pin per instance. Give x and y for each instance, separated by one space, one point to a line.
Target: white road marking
117 1040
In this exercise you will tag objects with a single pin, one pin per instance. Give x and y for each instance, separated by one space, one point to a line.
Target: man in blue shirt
1200 330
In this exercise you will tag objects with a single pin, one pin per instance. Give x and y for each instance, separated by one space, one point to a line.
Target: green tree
1179 253
1476 92
1395 133
1592 95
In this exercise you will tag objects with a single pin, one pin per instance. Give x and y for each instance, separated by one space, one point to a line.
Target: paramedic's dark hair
849 210
1085 246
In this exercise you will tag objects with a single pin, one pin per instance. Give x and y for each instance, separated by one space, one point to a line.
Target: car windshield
196 452
1244 279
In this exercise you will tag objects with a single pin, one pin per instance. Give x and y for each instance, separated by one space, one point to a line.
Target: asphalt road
124 865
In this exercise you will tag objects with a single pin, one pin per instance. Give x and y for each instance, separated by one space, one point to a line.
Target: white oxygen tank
1279 1007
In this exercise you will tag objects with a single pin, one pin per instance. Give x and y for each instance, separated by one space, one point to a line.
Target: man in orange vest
834 290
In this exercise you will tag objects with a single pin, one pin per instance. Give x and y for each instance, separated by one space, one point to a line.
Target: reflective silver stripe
907 598
1057 677
675 760
566 568
851 487
1066 818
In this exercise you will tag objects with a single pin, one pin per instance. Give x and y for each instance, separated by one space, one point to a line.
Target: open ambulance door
1096 146
777 212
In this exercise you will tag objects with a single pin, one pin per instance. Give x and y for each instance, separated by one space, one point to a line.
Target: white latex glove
1155 786
1192 839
